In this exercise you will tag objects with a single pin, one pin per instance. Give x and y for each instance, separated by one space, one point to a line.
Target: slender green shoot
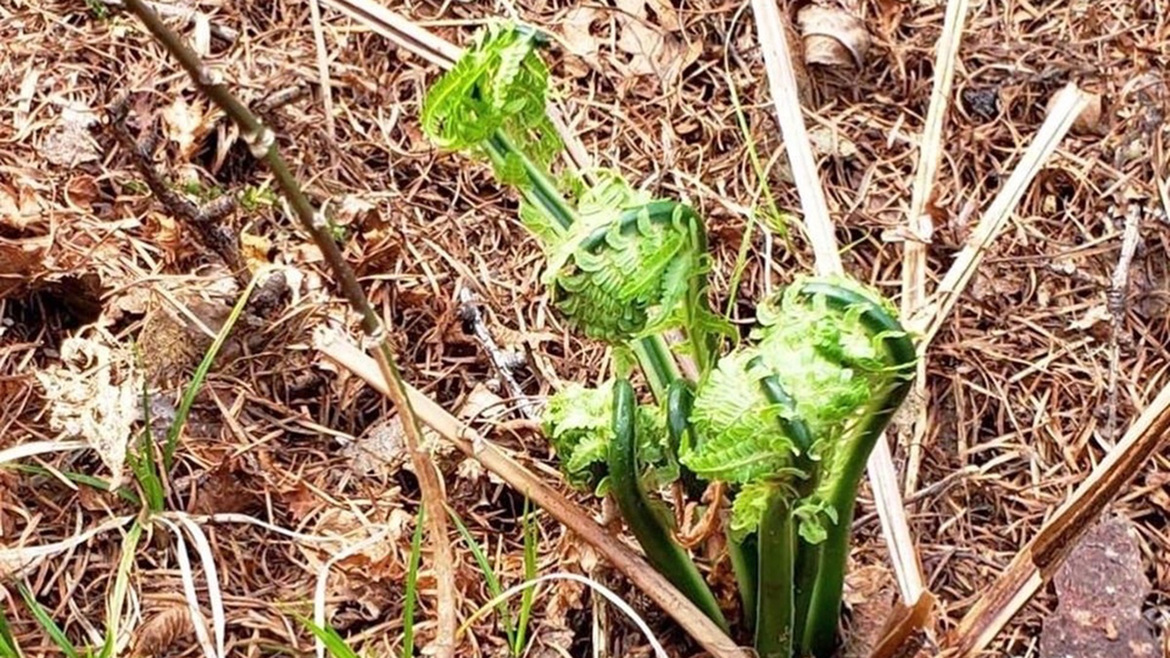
334 643
55 633
489 575
411 593
192 389
8 646
121 586
763 188
84 479
531 539
143 461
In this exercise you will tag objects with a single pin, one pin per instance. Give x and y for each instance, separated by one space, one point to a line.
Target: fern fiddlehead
796 415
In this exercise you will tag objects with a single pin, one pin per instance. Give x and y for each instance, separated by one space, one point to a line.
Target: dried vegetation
1059 342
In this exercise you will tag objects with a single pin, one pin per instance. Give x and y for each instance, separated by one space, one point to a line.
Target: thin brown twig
204 220
261 142
1116 302
1037 562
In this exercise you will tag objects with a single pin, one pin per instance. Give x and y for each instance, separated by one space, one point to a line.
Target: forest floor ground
105 291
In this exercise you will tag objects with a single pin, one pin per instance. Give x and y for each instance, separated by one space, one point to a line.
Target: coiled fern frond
496 91
625 268
578 421
834 367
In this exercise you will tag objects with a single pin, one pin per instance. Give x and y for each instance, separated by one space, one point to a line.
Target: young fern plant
623 268
786 421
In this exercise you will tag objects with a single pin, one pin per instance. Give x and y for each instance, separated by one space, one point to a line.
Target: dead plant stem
262 143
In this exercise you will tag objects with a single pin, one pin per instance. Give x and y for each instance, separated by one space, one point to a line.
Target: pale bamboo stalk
471 443
323 72
1038 562
818 225
914 269
819 230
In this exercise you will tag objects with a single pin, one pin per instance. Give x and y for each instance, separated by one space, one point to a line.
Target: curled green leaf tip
578 421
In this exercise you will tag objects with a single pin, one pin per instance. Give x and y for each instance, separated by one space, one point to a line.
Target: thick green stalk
649 525
745 558
819 636
680 400
775 605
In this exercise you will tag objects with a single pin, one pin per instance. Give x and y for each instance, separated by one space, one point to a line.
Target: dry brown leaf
21 262
577 28
832 37
651 49
186 125
69 143
81 191
94 395
161 632
255 249
830 142
21 208
380 451
1091 120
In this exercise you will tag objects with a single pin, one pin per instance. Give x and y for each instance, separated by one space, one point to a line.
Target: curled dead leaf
21 263
832 36
94 395
20 207
161 632
1091 120
69 143
577 28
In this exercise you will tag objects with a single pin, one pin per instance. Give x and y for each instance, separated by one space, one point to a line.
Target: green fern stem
649 524
775 603
540 191
819 636
652 352
744 557
784 616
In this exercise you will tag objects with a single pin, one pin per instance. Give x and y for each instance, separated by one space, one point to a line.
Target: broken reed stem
471 443
818 225
820 233
261 142
921 228
1038 562
1069 104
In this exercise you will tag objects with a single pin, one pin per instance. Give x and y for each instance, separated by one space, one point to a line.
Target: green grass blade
412 585
332 640
46 622
531 537
763 187
79 478
192 389
489 575
121 585
143 464
8 646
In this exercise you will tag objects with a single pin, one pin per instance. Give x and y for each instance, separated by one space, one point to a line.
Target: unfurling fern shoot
786 420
